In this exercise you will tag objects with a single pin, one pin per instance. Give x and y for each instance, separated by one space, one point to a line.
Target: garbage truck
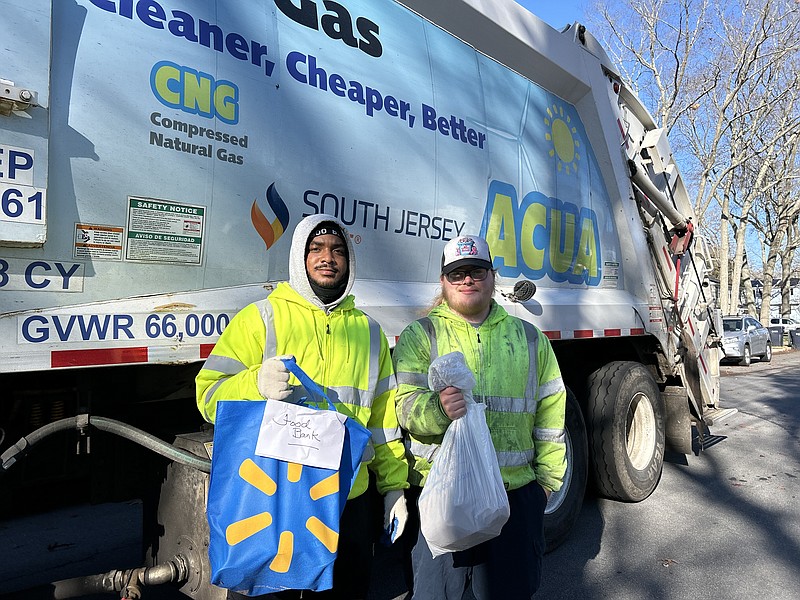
155 156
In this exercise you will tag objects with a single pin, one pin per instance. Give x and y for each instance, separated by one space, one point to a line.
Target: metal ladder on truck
683 264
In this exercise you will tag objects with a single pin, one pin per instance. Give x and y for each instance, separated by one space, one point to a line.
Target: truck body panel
130 215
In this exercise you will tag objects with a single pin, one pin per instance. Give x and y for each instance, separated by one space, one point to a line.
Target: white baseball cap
466 251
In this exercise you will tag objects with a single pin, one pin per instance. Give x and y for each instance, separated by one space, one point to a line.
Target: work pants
507 567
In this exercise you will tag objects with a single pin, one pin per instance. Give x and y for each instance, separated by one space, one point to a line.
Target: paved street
724 524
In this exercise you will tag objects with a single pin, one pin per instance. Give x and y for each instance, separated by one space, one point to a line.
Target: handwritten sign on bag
301 435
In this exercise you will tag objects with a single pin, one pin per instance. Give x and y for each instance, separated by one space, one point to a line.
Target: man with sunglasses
519 380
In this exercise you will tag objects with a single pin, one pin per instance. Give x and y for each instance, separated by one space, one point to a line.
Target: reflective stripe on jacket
518 379
344 351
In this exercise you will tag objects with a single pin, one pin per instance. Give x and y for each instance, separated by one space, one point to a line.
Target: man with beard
519 381
314 319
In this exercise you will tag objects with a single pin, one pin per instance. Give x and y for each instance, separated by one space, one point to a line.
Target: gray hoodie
298 278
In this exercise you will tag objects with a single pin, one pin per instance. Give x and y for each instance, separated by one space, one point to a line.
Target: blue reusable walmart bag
274 525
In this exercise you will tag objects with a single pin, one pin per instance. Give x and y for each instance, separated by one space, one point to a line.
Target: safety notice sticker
98 241
161 231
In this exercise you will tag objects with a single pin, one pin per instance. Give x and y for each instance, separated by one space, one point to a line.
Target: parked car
787 323
743 338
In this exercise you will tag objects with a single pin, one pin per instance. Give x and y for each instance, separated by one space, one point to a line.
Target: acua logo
541 236
336 23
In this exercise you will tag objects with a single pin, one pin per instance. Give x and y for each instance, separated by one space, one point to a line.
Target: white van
787 323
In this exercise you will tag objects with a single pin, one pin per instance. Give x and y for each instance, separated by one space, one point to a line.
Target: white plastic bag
464 501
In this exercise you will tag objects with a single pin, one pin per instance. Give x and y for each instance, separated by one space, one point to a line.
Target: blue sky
556 12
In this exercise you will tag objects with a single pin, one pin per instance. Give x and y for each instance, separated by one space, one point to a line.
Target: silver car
743 338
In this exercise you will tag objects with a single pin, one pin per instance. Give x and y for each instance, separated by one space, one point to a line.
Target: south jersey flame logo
270 232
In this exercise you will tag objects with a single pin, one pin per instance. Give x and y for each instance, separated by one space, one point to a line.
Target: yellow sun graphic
563 134
243 529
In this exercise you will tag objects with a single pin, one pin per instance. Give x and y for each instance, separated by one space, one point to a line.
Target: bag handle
311 386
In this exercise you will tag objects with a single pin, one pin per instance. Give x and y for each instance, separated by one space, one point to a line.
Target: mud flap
678 425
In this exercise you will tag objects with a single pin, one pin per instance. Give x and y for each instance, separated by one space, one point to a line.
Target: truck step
715 416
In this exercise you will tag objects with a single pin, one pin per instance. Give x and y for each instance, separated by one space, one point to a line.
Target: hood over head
298 278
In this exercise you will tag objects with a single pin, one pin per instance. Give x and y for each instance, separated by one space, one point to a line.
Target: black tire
747 358
767 356
626 429
565 505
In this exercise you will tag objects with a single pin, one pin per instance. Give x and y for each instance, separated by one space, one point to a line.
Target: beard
468 305
328 283
329 289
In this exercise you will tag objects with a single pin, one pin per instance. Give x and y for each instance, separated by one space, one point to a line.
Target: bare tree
721 79
788 268
776 223
655 42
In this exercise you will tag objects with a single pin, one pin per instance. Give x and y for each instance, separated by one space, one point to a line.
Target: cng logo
195 92
541 236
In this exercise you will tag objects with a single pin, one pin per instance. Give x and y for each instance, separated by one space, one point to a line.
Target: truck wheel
565 505
746 356
626 430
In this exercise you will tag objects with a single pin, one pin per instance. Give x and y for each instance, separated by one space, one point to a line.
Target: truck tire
565 505
626 429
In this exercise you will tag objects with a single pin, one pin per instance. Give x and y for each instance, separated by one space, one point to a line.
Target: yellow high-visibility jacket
343 350
518 379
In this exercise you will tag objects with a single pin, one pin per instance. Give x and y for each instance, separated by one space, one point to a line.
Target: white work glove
273 378
395 514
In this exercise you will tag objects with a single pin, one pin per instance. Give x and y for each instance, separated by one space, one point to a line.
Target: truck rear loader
155 156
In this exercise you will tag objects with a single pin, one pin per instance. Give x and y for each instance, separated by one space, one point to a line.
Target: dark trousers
351 570
507 567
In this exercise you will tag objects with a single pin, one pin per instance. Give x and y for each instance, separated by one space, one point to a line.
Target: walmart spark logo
270 232
245 528
564 137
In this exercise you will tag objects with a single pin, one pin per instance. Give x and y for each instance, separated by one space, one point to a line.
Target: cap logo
466 247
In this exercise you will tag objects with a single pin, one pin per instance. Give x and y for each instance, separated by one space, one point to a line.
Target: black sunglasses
478 274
